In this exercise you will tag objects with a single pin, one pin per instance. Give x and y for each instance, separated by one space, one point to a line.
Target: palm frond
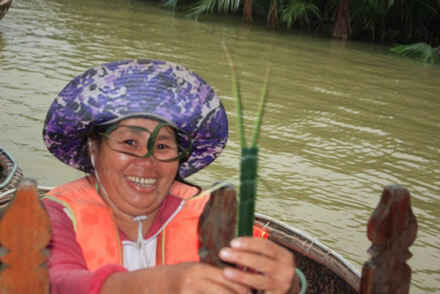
229 5
172 4
299 11
420 50
210 6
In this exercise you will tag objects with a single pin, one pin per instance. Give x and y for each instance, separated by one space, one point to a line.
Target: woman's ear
92 149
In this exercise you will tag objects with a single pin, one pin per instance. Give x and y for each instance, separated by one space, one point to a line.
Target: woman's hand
201 278
183 278
271 267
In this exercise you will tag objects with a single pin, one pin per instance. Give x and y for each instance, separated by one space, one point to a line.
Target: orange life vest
98 235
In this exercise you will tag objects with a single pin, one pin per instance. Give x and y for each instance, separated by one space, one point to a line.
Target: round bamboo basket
10 176
325 270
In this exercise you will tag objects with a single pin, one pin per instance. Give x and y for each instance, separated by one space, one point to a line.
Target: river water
342 120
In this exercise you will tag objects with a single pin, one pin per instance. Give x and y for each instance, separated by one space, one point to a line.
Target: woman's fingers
251 279
261 255
262 246
202 278
278 281
270 267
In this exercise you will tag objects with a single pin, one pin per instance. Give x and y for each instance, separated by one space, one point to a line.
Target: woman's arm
68 272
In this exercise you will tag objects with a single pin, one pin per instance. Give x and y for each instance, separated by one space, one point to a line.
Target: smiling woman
134 183
139 128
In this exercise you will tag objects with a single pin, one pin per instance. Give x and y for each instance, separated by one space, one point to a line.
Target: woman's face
136 186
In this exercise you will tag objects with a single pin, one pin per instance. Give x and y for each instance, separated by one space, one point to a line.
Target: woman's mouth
145 182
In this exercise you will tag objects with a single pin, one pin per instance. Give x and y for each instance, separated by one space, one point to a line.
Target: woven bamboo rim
10 174
298 241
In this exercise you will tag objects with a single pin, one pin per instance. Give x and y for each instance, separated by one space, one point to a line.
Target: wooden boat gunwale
300 242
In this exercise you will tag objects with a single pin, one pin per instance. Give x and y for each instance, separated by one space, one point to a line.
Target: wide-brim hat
150 88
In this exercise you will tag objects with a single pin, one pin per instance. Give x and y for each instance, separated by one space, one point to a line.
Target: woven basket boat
4 7
10 176
325 270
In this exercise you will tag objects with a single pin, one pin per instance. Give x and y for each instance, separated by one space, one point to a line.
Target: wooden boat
324 268
326 271
392 224
4 7
10 175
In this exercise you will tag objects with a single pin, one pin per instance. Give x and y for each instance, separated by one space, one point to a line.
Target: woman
139 128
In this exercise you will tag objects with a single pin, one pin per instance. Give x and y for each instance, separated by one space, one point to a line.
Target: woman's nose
146 160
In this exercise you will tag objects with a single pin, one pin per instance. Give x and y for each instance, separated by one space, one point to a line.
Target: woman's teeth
142 181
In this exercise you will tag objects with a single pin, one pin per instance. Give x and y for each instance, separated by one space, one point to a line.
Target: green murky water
342 120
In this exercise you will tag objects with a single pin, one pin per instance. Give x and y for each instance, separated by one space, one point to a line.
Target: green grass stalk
236 90
261 107
249 155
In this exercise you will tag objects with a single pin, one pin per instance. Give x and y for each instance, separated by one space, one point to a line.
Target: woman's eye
162 146
129 142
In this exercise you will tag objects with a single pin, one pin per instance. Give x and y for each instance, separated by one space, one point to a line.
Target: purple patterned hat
150 88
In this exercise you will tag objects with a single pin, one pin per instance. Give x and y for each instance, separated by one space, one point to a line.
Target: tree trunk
342 25
247 11
272 16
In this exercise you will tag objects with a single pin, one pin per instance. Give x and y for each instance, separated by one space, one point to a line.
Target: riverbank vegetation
412 27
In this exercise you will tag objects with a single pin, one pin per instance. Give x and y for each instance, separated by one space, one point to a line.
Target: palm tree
273 20
342 26
370 15
247 11
412 18
385 20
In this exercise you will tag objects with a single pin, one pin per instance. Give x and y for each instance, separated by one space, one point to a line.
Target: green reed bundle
249 163
249 155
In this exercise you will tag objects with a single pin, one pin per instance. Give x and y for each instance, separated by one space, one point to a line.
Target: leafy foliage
299 11
171 4
210 6
421 51
402 21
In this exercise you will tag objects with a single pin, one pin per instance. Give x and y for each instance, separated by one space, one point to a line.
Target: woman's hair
97 131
